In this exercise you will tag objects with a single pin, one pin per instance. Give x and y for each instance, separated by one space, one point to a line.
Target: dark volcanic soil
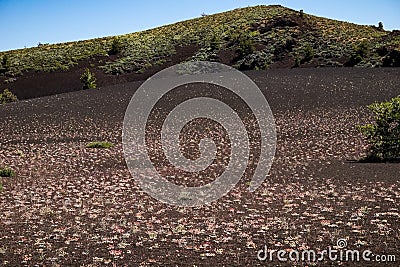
72 206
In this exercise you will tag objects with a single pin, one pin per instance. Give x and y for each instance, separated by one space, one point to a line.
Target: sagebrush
7 97
99 145
6 172
88 80
384 135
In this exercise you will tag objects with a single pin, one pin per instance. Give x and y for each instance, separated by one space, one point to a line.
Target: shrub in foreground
384 135
99 145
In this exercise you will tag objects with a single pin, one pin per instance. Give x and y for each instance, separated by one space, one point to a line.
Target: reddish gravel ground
72 206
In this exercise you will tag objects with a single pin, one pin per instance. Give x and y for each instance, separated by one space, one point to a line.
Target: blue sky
28 22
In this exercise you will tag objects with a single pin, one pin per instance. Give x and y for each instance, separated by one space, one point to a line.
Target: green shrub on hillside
359 53
245 45
308 53
272 24
116 46
215 43
5 64
384 135
7 97
88 79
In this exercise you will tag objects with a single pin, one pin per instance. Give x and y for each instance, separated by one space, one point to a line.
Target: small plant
99 145
359 53
301 13
6 172
245 45
7 97
116 46
297 61
88 79
289 44
384 135
392 59
5 63
308 53
215 43
380 26
364 210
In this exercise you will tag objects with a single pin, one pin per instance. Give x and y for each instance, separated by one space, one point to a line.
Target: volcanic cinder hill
261 37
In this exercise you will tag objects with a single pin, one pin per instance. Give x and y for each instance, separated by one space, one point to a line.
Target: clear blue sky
28 22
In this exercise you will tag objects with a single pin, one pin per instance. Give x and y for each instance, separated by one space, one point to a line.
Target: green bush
5 63
6 172
88 79
297 61
359 53
99 145
380 26
384 135
7 97
215 43
245 45
392 59
308 53
116 46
